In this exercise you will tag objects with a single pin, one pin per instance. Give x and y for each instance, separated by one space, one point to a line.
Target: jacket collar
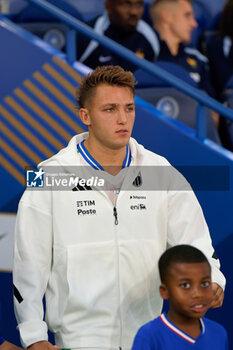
94 164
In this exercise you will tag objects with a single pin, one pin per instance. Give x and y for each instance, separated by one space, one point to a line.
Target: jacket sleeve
187 225
32 264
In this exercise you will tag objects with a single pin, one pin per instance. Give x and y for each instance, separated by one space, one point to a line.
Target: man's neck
173 47
111 160
172 43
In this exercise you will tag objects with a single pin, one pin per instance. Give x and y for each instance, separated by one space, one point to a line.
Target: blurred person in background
122 23
220 49
174 22
220 53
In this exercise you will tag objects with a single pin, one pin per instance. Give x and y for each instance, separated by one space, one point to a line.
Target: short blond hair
156 6
109 75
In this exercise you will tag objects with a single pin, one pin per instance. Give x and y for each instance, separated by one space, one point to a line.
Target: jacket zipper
118 271
115 215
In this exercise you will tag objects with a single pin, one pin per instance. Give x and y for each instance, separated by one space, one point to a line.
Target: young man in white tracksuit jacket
93 251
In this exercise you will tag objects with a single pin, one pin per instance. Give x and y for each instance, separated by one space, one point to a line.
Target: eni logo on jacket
140 206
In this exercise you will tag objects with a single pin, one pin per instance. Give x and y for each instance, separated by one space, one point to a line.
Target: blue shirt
196 64
162 334
220 53
143 41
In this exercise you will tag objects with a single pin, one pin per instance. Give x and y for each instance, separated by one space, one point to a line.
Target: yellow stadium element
54 107
20 144
13 155
59 78
34 123
49 103
41 113
73 74
62 98
44 149
12 170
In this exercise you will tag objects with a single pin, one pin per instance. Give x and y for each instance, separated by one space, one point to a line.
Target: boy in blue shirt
185 274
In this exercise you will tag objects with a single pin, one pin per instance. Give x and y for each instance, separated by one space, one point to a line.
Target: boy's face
188 289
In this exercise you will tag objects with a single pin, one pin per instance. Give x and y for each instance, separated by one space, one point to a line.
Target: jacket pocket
92 289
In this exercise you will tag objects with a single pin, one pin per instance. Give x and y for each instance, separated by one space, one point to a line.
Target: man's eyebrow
115 104
109 104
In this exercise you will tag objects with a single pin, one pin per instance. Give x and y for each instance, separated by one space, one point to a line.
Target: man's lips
133 21
122 131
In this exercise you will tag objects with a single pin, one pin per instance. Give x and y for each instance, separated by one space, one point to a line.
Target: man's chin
130 28
121 144
187 40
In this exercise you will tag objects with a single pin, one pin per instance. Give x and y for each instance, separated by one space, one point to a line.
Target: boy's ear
163 291
84 116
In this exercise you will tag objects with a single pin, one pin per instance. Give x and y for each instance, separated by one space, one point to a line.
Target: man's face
189 290
125 13
110 116
182 21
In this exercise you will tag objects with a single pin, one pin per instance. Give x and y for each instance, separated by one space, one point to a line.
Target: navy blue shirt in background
143 41
220 53
192 61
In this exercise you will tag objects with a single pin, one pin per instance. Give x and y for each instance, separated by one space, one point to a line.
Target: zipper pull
115 215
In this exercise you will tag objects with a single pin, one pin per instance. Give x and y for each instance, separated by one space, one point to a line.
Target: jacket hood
67 156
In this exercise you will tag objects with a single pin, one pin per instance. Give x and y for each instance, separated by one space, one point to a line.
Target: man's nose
122 117
135 10
194 23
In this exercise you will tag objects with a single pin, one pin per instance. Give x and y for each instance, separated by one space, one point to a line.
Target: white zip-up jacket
98 265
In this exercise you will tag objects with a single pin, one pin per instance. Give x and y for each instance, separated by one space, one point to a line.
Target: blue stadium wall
38 117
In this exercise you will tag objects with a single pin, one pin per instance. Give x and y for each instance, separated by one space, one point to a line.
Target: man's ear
84 116
163 291
166 15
